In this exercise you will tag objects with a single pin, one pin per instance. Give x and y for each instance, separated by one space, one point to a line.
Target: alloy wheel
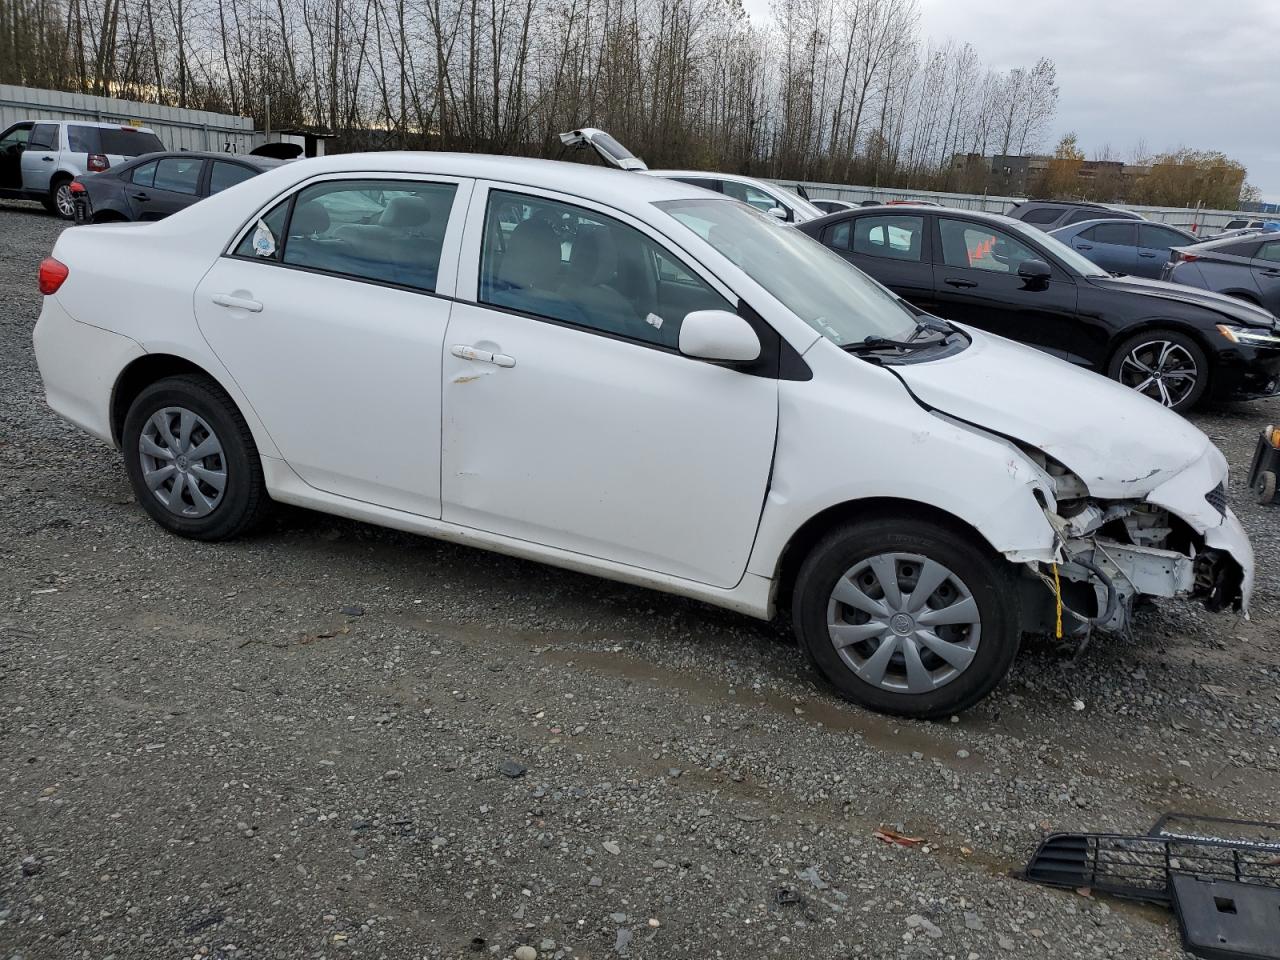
1163 370
904 623
182 462
65 202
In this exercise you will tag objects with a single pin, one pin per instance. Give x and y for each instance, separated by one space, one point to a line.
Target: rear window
128 142
1038 215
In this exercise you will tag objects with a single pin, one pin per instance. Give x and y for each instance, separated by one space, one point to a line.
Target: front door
330 314
1112 246
976 282
40 159
12 144
572 420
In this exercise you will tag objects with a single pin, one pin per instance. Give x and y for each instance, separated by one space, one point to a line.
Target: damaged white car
631 377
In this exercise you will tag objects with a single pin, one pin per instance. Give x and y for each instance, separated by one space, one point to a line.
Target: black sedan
1173 343
155 185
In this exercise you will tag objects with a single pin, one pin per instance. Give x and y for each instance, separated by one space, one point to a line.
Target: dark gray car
1135 247
1049 215
1244 267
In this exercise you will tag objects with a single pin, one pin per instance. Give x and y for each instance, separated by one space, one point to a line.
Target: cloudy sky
1187 73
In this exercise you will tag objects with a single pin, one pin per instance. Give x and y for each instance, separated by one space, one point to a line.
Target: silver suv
39 159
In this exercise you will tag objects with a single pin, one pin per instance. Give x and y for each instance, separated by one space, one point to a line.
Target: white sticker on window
264 244
654 321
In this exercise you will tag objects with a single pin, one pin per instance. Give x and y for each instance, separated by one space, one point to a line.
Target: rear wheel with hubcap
907 616
1165 365
192 461
60 200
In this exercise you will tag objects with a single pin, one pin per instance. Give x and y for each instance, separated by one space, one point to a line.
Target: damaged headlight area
1110 553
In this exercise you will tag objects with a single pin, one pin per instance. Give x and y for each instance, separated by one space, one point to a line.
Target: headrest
308 219
594 259
405 212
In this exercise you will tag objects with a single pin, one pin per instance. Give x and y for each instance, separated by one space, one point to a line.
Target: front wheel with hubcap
192 461
907 616
1165 365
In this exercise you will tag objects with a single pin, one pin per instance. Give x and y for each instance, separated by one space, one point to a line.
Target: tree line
837 90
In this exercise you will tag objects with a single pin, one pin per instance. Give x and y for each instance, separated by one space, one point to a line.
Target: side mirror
718 335
780 212
1034 271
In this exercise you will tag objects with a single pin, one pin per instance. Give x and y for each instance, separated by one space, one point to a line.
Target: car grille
1217 498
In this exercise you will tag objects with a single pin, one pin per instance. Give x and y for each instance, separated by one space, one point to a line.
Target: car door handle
140 196
236 303
463 352
957 282
47 159
1271 272
1084 246
1149 256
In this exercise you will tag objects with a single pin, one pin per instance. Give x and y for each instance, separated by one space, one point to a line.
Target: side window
389 231
706 183
178 175
567 263
225 175
837 236
1080 216
749 194
15 141
1160 238
1269 251
44 136
265 239
83 139
1247 249
1123 234
144 175
981 248
1041 215
896 238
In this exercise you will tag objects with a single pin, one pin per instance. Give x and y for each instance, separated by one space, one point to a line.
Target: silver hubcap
66 205
182 462
904 623
1160 369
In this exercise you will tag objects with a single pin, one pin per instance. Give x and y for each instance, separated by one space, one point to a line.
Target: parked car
1247 268
39 159
1169 342
1049 215
1246 223
155 185
769 198
832 206
1121 245
635 378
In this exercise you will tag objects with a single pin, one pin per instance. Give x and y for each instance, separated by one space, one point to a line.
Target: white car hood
1120 443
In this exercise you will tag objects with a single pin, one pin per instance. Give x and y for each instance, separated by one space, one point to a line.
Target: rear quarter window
82 139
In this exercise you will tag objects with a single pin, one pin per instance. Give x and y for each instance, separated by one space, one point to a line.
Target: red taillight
52 274
1183 257
98 163
76 187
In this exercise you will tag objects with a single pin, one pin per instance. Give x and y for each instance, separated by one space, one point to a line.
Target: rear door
1154 246
40 159
976 281
1112 246
165 187
1266 271
330 313
891 248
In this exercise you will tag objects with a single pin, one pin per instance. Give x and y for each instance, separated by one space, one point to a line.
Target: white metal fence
1201 221
179 129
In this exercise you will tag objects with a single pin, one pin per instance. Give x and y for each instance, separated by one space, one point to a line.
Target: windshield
1076 261
835 298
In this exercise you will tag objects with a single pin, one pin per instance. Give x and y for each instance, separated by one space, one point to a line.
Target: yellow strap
1057 592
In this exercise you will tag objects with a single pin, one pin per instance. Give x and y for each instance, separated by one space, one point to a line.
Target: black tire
988 578
244 502
1264 487
51 201
1193 350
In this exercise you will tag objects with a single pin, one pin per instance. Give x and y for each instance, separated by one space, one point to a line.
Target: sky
1172 73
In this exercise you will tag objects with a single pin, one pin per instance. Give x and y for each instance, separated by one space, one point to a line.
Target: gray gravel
333 739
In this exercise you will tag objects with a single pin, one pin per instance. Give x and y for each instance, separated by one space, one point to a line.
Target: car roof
1224 241
979 216
100 124
262 163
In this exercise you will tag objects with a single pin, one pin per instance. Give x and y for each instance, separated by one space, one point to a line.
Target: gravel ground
333 739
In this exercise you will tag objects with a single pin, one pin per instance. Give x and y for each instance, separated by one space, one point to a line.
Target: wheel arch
802 541
150 367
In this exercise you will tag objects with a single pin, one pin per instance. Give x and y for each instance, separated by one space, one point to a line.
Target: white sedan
631 377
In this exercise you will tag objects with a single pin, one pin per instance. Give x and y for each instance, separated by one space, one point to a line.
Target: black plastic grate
1217 498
